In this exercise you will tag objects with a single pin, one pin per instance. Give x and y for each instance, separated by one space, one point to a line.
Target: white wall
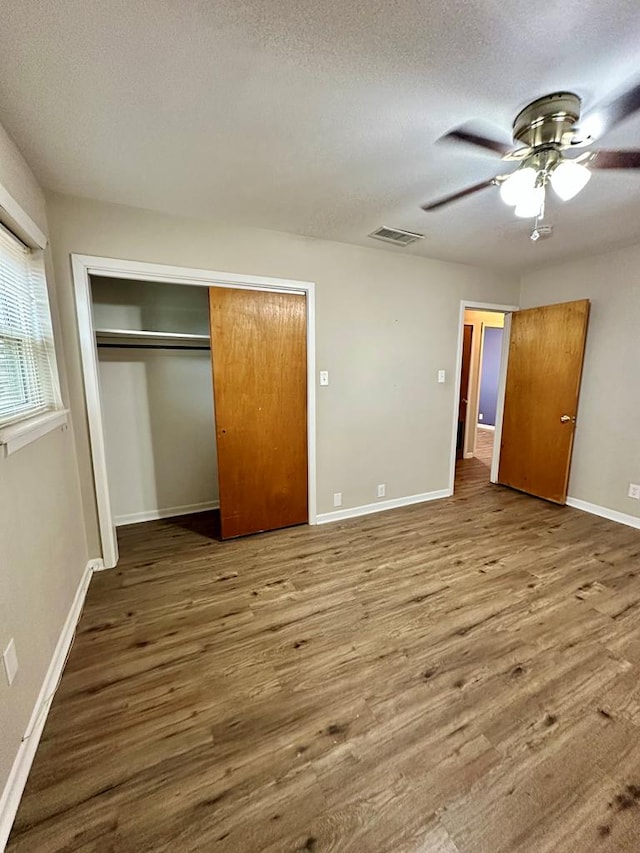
606 455
43 551
159 432
386 322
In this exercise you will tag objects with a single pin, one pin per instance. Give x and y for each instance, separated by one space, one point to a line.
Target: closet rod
152 346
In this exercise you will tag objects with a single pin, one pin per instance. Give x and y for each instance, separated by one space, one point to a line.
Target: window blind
28 375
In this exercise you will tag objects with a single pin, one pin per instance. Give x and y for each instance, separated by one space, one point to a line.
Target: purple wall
489 376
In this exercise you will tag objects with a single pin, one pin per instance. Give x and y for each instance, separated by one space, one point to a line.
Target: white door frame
469 304
84 266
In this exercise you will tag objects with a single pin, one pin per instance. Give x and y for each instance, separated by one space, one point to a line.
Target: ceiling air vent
395 236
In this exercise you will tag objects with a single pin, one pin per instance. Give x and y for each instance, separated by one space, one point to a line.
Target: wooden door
259 354
463 404
546 351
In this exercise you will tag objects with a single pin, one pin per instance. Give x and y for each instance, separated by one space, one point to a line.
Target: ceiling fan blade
473 136
615 160
603 117
461 194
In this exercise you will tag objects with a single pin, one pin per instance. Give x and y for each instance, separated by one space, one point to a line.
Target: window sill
18 435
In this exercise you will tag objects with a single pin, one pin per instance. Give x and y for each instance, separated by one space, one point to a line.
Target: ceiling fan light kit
546 129
524 189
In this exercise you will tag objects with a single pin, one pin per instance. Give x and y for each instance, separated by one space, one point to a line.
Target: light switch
441 376
324 377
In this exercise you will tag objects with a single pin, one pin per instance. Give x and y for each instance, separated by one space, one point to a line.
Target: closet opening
196 379
154 364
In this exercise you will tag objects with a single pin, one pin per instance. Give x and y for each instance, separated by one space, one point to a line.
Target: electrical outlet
10 661
324 377
382 490
337 499
442 376
480 416
634 491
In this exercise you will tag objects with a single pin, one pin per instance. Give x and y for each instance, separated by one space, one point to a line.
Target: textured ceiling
317 118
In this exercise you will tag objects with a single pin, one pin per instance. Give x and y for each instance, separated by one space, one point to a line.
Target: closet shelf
139 338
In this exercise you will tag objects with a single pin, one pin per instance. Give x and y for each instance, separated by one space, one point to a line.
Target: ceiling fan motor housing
547 121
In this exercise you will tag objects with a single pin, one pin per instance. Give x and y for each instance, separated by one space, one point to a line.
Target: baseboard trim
604 512
14 787
382 506
156 514
488 427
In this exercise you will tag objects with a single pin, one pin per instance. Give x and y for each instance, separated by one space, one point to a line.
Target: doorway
479 384
536 402
482 376
85 267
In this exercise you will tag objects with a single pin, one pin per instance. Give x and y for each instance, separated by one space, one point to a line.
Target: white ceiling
319 117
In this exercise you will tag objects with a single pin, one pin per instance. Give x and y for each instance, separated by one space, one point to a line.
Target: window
28 373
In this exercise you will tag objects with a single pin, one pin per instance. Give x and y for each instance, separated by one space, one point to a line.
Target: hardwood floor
460 676
484 445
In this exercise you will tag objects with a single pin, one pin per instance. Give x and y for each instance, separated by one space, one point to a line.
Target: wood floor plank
454 677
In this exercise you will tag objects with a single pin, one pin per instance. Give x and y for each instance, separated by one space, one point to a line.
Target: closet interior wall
157 397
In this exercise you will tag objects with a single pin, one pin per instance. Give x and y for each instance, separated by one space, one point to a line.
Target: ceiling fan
549 130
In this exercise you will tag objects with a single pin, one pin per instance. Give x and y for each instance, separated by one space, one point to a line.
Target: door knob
566 418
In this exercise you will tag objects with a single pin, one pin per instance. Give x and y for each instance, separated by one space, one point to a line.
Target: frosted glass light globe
530 205
518 185
568 178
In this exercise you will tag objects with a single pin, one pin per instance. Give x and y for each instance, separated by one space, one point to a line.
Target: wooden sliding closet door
259 353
